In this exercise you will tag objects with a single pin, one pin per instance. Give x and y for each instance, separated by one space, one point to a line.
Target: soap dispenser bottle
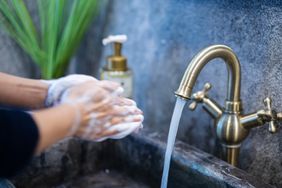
116 68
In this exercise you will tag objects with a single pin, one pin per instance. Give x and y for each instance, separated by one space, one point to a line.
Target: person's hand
101 112
57 87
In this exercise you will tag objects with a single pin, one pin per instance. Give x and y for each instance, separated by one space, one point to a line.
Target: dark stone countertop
137 160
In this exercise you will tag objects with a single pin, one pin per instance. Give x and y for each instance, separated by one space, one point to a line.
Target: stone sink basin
133 162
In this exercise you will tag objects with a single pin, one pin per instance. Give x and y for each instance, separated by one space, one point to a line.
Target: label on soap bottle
125 81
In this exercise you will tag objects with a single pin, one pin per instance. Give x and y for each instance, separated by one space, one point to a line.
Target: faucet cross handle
279 116
199 96
269 115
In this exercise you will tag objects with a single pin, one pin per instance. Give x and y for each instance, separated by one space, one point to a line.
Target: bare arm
22 92
53 124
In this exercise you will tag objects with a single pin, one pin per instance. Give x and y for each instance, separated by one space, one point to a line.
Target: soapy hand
58 86
101 112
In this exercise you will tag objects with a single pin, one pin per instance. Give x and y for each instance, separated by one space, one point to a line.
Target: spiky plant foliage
62 26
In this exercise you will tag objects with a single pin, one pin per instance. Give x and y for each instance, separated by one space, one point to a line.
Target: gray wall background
163 36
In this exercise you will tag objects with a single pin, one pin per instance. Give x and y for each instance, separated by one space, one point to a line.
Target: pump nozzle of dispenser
116 62
115 38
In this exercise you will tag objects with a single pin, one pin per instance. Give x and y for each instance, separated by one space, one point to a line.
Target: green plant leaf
62 26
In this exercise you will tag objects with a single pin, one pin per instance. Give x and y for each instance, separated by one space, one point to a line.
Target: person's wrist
48 99
44 85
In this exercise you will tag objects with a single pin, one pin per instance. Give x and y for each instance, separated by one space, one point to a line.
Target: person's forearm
54 124
22 92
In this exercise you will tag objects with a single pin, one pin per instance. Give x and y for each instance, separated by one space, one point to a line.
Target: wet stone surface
135 161
103 179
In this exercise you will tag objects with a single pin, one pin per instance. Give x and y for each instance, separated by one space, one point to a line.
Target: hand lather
101 113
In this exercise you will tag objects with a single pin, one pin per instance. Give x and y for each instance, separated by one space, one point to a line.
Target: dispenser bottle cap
116 62
115 38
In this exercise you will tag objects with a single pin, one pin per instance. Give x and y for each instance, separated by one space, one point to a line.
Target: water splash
171 138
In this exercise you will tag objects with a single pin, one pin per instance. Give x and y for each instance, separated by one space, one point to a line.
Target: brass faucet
232 127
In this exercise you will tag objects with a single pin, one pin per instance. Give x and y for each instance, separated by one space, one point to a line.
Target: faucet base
231 154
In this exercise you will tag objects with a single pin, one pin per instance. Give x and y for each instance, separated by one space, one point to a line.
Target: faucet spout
231 126
228 127
201 59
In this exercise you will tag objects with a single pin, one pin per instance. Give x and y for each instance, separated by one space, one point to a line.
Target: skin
47 121
16 91
55 123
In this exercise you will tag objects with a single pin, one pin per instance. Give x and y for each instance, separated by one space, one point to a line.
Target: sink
134 162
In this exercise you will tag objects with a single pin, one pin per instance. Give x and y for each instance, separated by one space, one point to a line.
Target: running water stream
171 138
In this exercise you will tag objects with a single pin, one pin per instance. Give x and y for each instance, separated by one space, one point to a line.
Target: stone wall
165 35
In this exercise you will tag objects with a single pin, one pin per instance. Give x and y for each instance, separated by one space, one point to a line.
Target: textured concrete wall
165 34
13 60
